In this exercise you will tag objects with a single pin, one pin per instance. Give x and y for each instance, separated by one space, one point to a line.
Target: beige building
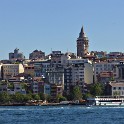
10 70
88 72
29 70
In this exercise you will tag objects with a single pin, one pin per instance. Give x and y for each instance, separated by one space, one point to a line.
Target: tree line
75 94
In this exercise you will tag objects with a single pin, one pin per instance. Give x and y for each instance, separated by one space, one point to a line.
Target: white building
83 73
115 88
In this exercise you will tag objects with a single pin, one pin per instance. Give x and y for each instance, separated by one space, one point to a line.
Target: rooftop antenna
51 50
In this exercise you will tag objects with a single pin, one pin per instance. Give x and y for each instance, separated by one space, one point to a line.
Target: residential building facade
105 66
115 89
78 73
29 70
11 70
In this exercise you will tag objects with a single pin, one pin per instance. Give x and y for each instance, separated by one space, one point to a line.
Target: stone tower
82 44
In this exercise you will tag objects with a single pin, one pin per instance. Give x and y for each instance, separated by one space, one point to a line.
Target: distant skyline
55 25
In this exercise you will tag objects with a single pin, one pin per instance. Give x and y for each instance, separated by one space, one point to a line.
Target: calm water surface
61 115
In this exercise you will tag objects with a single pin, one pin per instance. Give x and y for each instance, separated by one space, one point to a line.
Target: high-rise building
79 72
82 44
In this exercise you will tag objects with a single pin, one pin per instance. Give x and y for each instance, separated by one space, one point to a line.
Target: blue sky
55 24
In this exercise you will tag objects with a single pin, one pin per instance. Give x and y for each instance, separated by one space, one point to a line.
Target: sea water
61 115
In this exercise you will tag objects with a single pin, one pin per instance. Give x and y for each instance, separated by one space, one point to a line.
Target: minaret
82 44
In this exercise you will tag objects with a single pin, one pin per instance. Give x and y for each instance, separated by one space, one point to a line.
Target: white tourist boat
106 101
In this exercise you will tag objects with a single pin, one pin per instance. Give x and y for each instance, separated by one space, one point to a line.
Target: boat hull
109 104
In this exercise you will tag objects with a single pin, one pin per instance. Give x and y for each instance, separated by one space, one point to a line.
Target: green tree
10 86
4 97
18 97
36 97
48 97
87 95
77 94
97 89
25 86
12 98
60 98
42 96
27 97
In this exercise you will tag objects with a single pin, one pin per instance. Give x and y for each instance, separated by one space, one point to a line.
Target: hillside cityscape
61 76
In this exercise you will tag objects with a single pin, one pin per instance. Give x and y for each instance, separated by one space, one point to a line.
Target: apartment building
29 70
40 87
78 72
56 58
56 77
56 90
105 66
41 67
105 76
10 70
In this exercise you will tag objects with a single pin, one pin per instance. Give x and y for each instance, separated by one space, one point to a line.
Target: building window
114 88
119 88
96 72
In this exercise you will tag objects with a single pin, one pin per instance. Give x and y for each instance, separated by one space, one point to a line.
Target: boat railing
109 96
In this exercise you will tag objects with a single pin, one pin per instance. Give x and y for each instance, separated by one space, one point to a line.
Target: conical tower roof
82 33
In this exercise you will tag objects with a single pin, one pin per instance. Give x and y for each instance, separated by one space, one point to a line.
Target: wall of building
88 73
